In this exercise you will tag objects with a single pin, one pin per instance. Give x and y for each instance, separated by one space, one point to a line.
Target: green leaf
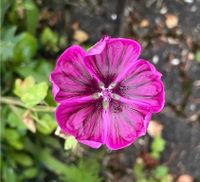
29 92
46 124
4 114
160 172
25 47
32 14
70 143
157 146
155 155
49 39
51 162
197 56
30 172
138 170
8 43
39 69
15 120
22 159
21 87
8 174
86 171
52 142
49 99
13 138
143 180
35 94
4 5
87 47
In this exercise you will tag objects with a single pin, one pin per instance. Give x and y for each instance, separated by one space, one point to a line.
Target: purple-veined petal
84 120
127 122
70 78
142 85
98 47
110 58
90 143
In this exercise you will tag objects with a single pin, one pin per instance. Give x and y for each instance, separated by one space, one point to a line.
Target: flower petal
92 144
127 123
98 47
111 57
70 77
142 84
84 120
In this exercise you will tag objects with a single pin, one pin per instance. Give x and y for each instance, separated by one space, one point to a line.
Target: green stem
13 101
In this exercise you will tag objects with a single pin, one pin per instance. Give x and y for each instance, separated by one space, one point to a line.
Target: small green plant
157 147
159 174
197 56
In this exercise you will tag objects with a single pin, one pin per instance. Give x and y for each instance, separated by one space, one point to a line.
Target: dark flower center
106 93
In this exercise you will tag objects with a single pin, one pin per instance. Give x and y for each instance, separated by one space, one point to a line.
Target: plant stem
13 101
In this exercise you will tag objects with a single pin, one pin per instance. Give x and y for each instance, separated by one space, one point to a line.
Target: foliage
25 47
29 92
159 174
70 143
157 146
197 56
29 148
49 39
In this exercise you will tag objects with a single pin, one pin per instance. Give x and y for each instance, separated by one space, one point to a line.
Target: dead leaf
60 133
75 25
184 178
170 178
80 36
144 23
28 121
171 20
45 14
154 129
149 161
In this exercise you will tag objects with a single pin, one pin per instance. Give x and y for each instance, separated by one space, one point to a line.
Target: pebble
193 9
113 16
175 61
185 178
80 36
163 10
189 1
144 23
154 129
191 56
171 21
155 59
192 107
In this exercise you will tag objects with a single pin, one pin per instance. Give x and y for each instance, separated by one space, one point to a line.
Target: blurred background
35 32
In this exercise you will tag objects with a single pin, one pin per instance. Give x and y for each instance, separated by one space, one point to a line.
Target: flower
106 95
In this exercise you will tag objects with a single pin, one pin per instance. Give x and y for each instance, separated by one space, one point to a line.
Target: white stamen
96 95
112 85
101 85
115 96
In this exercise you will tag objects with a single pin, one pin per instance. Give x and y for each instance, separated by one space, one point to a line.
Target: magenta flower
106 95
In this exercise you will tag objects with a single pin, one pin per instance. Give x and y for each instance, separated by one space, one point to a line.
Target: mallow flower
106 95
